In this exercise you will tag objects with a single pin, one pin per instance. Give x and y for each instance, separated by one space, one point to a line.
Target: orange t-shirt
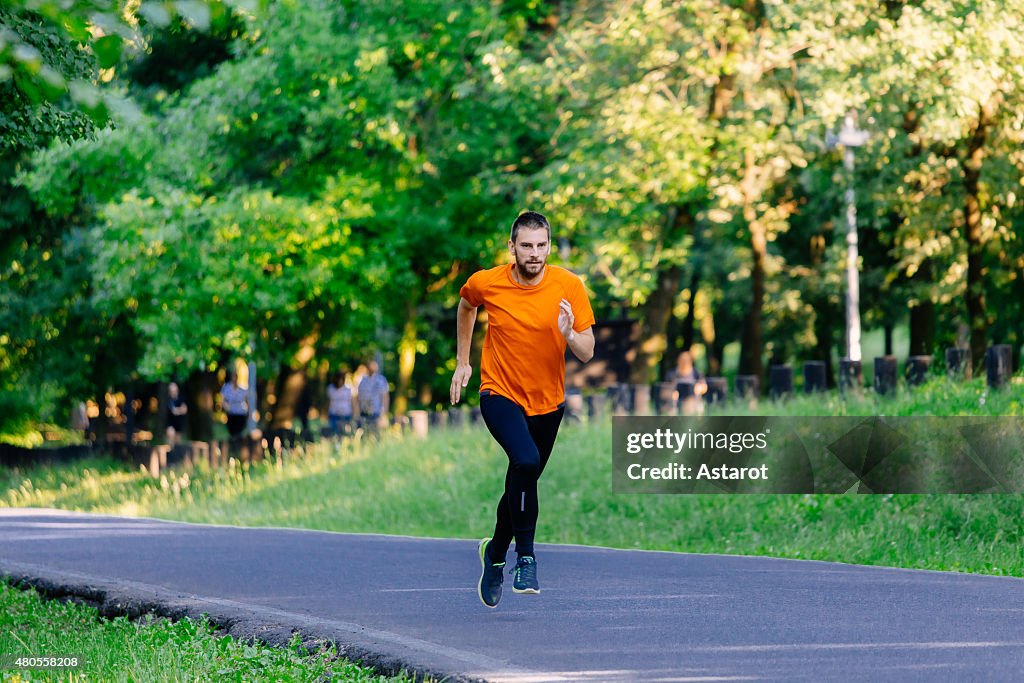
524 353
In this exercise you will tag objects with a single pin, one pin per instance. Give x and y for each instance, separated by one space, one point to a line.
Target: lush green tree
38 303
55 61
100 31
673 139
361 167
938 83
313 183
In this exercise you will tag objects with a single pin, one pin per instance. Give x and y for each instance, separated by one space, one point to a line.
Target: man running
534 312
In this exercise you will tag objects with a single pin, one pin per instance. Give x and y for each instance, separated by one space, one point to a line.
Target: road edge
383 651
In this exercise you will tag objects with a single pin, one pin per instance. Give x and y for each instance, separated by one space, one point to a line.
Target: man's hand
580 343
565 319
459 381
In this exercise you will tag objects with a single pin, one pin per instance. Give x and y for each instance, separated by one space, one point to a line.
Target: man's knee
527 462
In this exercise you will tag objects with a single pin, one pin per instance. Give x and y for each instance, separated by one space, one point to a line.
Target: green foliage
177 55
45 43
914 74
327 175
268 267
232 214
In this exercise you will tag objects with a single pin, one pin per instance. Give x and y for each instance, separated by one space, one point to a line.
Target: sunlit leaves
105 29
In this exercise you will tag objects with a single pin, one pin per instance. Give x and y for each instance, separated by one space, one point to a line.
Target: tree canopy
295 181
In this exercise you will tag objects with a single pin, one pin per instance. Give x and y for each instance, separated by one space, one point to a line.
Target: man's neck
518 276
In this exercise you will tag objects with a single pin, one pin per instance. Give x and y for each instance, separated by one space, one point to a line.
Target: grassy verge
151 649
448 486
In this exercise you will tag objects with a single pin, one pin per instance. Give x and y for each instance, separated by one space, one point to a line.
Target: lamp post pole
850 138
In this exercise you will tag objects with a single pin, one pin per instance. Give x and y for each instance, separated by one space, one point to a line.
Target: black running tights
527 440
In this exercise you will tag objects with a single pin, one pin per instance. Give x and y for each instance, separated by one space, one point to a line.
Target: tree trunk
658 307
290 383
198 390
713 347
406 360
691 313
288 387
975 294
654 320
672 343
922 317
752 348
823 326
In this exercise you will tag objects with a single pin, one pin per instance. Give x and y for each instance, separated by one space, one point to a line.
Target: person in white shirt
235 402
340 405
373 396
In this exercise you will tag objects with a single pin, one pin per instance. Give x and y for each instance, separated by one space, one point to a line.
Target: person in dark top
176 412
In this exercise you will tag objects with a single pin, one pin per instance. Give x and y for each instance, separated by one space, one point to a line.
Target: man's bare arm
465 321
582 344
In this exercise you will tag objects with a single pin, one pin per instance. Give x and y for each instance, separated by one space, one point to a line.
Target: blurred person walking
235 402
340 405
372 397
177 409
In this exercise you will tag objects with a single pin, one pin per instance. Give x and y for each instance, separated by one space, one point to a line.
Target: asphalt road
603 615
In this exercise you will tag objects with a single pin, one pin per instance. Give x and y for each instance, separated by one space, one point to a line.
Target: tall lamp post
850 138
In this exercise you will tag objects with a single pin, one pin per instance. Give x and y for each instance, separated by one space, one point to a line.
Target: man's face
372 367
530 250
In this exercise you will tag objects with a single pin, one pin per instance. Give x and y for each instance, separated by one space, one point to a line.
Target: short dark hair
531 220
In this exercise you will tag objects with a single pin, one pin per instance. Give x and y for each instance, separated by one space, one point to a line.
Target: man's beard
529 270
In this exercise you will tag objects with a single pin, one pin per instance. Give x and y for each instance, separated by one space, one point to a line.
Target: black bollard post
851 375
998 365
885 374
958 363
746 386
814 376
780 381
596 404
621 397
456 417
917 369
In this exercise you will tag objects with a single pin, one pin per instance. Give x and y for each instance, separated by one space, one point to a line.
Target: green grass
27 433
936 397
150 649
447 487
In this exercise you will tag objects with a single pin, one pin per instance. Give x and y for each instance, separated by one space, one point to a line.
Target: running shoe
524 578
489 587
